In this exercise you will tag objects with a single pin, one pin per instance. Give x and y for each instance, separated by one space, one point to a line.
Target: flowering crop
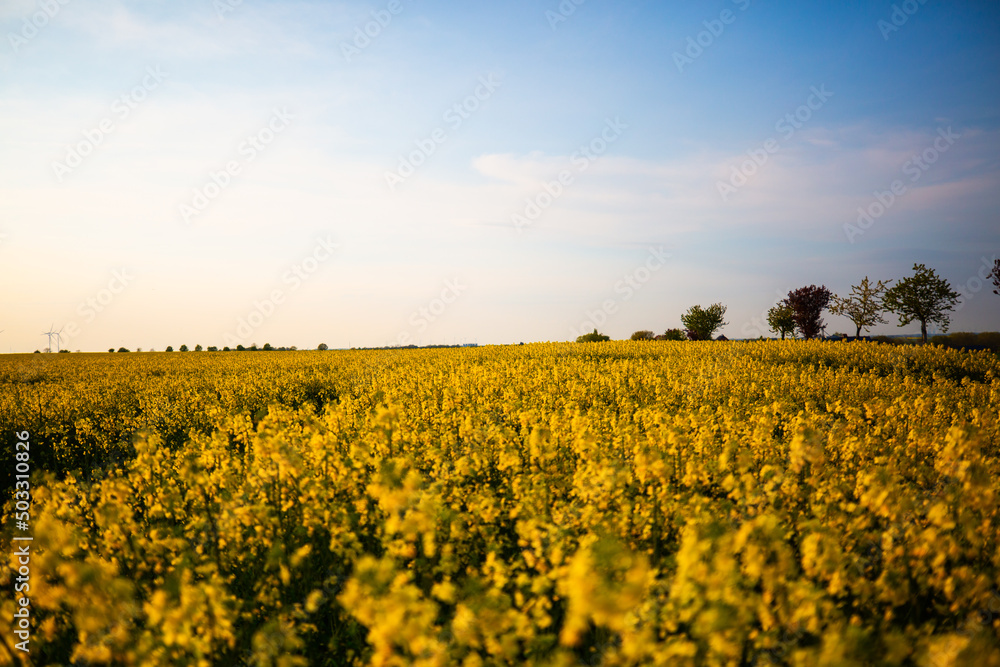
622 503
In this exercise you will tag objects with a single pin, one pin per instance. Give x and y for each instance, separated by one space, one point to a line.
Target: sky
223 172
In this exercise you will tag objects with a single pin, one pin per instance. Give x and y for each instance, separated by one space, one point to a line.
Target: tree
198 348
123 349
924 297
170 348
183 348
807 304
863 306
701 323
592 338
642 335
323 346
781 319
995 274
674 334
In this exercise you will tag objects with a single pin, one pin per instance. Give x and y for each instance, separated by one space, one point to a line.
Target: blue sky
215 172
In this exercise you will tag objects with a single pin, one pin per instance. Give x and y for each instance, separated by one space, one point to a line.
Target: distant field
619 503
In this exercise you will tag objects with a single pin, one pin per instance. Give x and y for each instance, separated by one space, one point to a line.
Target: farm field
617 503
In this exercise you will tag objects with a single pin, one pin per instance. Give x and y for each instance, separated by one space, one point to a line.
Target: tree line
923 297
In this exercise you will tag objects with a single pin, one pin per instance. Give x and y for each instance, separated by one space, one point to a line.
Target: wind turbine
50 333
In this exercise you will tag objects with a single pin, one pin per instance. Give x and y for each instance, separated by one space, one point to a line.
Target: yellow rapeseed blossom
622 503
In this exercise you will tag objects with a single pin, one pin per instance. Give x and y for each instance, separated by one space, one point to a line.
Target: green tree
674 334
170 348
592 337
924 297
863 305
781 319
701 323
184 348
642 335
198 348
323 346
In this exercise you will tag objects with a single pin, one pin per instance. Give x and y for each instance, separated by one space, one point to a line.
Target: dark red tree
807 304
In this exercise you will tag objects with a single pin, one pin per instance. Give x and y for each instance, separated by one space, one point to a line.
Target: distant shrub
642 335
592 337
